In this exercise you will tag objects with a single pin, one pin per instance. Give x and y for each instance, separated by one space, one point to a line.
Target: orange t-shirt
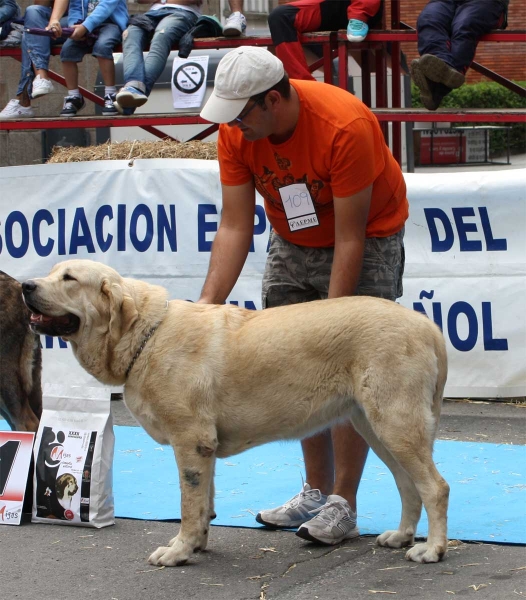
336 150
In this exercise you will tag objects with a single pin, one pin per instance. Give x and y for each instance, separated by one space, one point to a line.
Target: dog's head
76 294
93 307
66 486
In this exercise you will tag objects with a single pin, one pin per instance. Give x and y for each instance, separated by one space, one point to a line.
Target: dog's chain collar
143 344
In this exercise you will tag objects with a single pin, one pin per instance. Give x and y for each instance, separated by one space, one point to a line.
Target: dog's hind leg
411 501
412 450
195 460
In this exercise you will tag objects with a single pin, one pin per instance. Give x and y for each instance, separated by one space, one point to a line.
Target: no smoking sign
188 78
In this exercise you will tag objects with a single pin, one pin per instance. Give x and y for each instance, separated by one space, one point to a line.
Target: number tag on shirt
298 206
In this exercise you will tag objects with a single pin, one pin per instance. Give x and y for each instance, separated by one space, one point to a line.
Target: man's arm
231 244
350 221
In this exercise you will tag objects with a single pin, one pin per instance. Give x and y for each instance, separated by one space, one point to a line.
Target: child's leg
107 70
288 20
363 10
71 74
109 36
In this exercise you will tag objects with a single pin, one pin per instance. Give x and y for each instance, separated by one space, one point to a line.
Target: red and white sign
15 458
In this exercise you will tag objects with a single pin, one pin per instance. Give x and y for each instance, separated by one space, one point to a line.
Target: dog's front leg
196 470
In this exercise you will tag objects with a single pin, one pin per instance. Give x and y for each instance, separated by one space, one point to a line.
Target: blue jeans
170 26
450 29
9 9
109 35
36 48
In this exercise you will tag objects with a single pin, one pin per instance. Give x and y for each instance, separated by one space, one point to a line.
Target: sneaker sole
233 33
356 39
39 93
440 72
294 525
305 535
130 101
419 80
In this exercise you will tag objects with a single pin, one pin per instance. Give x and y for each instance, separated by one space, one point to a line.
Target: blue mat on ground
487 501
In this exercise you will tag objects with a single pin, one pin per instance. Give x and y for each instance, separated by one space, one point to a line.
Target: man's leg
285 282
286 21
381 276
350 454
434 29
433 73
472 20
168 31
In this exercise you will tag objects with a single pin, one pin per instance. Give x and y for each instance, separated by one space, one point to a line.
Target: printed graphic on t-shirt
269 183
92 5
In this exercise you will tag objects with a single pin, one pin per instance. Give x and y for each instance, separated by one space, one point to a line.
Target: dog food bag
73 452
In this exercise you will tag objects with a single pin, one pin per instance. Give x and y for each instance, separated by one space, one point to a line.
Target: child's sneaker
121 110
41 87
357 30
72 104
235 25
131 97
13 110
109 109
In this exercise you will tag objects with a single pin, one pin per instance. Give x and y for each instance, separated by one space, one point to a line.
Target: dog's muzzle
62 325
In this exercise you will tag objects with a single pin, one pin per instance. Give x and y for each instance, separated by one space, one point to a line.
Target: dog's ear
123 312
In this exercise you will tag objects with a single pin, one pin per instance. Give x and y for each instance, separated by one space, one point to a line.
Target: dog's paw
170 556
395 539
426 553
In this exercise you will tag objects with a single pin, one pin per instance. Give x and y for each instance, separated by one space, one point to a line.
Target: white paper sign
189 81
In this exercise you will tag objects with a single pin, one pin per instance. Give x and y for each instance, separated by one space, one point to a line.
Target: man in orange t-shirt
336 200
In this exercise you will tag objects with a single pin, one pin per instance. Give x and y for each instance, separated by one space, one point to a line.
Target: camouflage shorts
295 274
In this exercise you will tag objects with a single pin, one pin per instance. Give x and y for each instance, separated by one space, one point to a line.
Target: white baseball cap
242 73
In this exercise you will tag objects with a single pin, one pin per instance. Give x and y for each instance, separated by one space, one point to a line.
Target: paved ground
62 563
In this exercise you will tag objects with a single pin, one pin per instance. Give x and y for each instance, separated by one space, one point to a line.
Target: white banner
156 219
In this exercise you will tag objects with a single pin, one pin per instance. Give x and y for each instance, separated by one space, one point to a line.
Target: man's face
254 121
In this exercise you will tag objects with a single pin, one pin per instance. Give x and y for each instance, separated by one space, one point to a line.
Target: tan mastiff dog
213 380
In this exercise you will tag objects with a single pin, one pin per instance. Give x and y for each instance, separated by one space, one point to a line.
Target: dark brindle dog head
20 360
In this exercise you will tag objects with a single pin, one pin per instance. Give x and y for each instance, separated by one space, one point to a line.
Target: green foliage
487 95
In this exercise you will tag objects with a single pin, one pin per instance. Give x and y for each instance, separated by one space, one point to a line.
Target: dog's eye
67 277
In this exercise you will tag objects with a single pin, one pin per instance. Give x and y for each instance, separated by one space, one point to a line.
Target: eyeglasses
245 115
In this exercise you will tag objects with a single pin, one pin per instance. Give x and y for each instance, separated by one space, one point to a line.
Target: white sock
74 93
109 89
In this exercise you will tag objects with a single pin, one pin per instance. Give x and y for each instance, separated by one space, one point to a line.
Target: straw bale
129 150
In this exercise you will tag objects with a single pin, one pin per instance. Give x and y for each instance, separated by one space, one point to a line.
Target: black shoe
109 109
439 71
431 93
72 104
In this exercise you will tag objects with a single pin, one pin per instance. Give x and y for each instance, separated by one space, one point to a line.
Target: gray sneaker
296 511
335 522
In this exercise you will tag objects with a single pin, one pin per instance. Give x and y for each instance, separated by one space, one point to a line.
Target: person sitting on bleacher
107 19
288 20
448 34
162 26
36 50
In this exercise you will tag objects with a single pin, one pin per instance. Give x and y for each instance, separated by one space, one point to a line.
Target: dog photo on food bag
20 360
196 377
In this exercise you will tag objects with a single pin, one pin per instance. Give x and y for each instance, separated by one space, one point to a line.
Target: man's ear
122 308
